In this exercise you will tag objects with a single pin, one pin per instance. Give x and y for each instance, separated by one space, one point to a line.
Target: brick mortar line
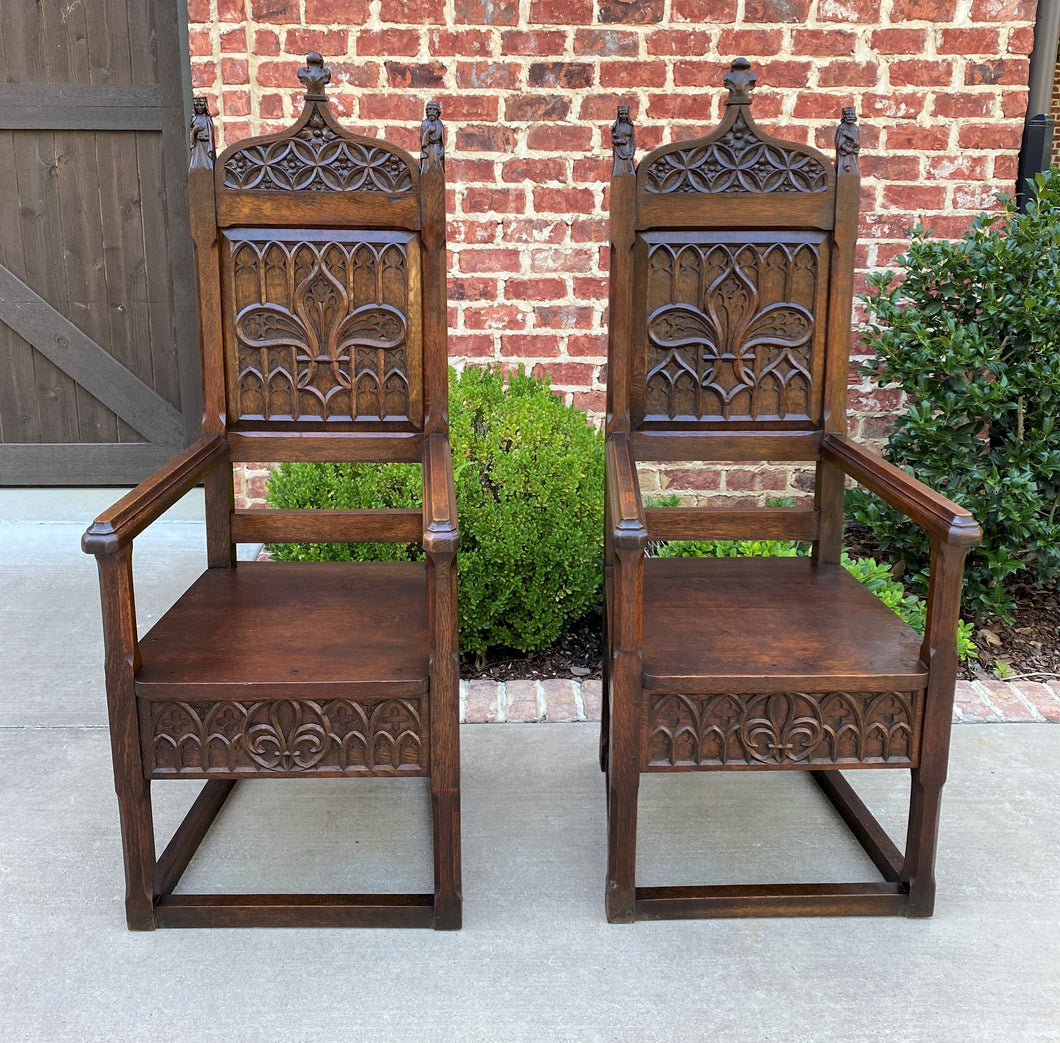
484 701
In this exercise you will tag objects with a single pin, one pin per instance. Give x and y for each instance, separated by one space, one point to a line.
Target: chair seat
744 625
274 630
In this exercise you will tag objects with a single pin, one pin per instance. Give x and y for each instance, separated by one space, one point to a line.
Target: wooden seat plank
280 625
766 624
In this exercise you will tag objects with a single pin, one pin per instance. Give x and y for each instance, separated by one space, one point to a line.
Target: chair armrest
116 527
940 517
440 532
629 526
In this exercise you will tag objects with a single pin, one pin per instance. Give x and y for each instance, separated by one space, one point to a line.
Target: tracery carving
317 159
738 161
286 736
716 349
321 330
784 729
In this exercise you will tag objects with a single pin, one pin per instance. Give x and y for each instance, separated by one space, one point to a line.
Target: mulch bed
1029 646
577 655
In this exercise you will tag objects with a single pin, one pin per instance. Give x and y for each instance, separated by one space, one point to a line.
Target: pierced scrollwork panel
783 730
285 737
316 159
738 161
325 330
731 331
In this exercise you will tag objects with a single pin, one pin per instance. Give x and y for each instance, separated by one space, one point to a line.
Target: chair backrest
321 276
732 285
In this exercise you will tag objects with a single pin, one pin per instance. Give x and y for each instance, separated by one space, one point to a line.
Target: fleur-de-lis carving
315 75
293 736
780 734
783 728
740 81
339 354
727 338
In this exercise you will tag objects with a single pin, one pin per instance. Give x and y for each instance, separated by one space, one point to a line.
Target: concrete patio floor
535 960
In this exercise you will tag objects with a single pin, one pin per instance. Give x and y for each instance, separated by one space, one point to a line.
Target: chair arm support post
441 534
940 517
116 527
629 527
939 648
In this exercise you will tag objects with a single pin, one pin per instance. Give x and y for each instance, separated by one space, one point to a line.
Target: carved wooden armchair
732 261
321 280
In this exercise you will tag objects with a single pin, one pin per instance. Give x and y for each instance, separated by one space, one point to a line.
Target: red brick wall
528 89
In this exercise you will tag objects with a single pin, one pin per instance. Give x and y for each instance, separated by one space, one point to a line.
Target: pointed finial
847 142
200 135
623 142
740 81
432 137
316 76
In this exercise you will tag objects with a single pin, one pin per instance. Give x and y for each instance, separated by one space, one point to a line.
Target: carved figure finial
200 135
740 82
432 138
847 142
316 76
623 142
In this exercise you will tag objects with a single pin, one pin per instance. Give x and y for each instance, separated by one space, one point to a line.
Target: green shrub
345 486
970 333
529 487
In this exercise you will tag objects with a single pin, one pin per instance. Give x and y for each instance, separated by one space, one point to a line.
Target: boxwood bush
970 332
529 487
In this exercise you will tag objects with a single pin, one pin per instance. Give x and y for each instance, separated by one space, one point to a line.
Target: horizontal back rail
727 523
327 526
335 446
723 445
735 211
317 209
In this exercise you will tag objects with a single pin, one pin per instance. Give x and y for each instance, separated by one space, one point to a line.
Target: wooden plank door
99 374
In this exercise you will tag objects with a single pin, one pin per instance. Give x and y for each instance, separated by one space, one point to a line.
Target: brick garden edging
561 700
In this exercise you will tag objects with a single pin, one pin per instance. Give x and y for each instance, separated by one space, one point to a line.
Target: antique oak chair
732 262
321 281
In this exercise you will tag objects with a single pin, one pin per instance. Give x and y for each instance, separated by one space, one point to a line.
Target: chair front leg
131 785
939 651
623 769
445 739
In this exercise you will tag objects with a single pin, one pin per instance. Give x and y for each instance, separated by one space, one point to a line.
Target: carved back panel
324 244
731 330
325 326
731 270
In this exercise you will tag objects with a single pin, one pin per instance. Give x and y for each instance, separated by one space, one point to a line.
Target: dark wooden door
98 355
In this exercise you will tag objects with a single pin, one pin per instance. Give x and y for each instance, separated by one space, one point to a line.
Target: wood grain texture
334 629
327 526
731 523
747 625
